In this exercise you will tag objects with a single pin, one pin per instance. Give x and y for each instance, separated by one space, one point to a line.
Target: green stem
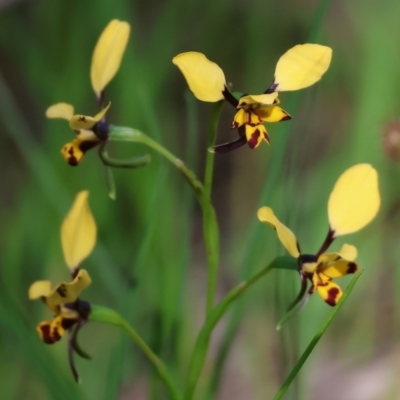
109 316
202 192
125 134
203 339
210 226
316 339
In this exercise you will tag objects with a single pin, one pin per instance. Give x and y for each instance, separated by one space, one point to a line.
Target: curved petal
52 331
85 122
258 100
339 268
69 292
39 289
301 66
205 79
107 55
74 151
78 231
272 114
285 235
354 200
60 110
347 252
329 291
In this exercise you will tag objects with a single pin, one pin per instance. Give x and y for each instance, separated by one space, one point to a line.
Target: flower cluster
298 68
78 237
353 203
106 60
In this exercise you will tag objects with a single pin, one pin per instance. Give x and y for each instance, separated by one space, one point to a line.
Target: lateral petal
78 231
60 110
272 114
285 235
354 200
68 292
107 55
78 122
302 66
205 78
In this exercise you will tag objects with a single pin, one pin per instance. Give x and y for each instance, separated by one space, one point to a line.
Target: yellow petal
205 79
354 200
39 289
60 110
74 151
85 122
78 231
259 100
329 291
69 292
339 268
285 235
347 252
255 134
240 118
52 331
302 66
107 55
273 114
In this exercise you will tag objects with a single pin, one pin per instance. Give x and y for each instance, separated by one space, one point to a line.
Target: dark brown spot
332 296
266 137
72 161
62 290
82 118
352 267
254 139
234 125
45 334
287 117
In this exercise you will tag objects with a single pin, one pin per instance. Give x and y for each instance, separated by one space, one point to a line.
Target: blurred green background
149 262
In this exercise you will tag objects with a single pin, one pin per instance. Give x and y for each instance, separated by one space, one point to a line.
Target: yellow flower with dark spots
353 203
106 60
78 237
299 67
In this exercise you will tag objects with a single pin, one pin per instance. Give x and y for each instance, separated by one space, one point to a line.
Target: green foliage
150 261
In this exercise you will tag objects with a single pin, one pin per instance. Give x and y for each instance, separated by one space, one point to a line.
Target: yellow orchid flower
78 237
353 203
106 60
299 67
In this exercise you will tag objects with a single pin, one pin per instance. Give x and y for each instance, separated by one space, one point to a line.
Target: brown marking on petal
62 290
287 117
55 335
266 136
352 268
234 125
82 118
254 139
312 288
332 296
71 160
45 333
